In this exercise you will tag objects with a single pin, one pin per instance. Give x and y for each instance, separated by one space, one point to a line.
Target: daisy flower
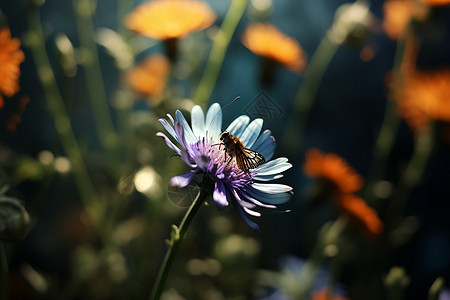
200 148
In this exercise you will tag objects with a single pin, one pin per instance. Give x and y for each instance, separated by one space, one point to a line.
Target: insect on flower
245 180
246 159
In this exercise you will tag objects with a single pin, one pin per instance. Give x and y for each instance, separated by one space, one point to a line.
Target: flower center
213 159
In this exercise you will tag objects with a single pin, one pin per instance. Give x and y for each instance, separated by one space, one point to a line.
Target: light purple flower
199 148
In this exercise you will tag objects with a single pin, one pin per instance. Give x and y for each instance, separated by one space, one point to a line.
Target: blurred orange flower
436 2
266 40
425 96
334 169
326 294
168 19
361 214
149 77
10 58
397 15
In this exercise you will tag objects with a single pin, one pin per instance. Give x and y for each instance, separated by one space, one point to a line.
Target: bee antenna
237 98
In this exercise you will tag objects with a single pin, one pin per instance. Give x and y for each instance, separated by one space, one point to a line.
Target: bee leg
218 144
225 154
231 157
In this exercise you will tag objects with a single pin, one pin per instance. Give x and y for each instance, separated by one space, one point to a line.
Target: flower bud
396 282
351 24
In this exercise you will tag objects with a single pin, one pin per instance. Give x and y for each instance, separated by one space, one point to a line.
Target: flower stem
412 174
307 92
329 235
84 9
404 61
218 50
58 111
123 8
3 272
174 243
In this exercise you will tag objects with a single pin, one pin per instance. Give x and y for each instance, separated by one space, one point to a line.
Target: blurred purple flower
445 294
200 151
292 273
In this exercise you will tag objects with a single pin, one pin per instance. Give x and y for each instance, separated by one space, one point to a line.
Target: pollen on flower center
215 153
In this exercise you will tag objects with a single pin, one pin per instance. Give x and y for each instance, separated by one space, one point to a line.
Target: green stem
174 243
84 10
123 8
408 180
412 174
308 90
329 235
436 289
388 131
3 272
61 118
218 50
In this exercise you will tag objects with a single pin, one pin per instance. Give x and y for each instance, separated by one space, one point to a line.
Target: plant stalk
218 51
174 244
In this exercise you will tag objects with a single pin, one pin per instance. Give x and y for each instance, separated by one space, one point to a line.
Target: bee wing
247 159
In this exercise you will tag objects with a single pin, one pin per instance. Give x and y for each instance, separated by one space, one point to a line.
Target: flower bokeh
149 78
266 40
424 98
116 213
333 169
10 59
168 19
361 215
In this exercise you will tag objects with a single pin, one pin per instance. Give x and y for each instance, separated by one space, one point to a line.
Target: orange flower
149 77
425 96
326 294
10 58
266 40
168 19
436 2
334 169
397 15
361 214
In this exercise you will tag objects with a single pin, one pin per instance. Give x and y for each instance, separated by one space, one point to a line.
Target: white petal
189 135
169 143
265 145
198 122
169 129
270 198
213 124
251 133
238 126
272 188
258 177
274 169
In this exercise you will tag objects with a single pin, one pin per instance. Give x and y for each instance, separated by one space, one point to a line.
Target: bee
246 159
